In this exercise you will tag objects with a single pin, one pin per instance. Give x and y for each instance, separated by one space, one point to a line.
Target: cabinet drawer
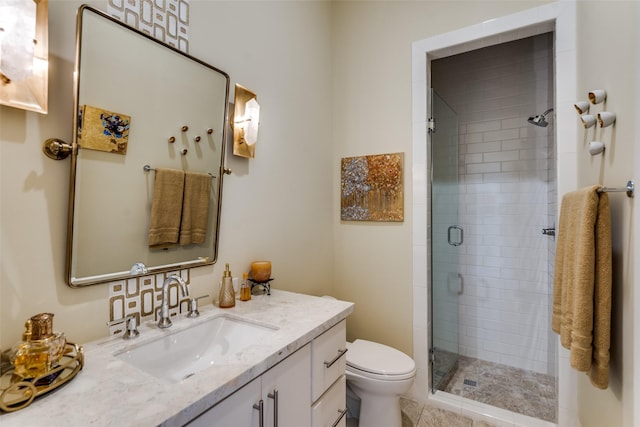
328 360
330 409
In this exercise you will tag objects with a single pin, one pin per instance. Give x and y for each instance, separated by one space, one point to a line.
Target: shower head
540 119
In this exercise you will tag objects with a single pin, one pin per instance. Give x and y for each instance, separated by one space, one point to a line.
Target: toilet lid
378 358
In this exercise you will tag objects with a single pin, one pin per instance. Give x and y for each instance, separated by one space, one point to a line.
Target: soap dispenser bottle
227 294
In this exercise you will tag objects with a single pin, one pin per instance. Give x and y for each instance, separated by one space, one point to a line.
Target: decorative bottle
245 288
40 348
227 294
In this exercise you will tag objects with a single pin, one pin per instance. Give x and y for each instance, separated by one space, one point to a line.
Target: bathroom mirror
140 105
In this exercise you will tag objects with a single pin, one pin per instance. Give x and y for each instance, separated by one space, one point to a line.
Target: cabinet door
234 411
289 382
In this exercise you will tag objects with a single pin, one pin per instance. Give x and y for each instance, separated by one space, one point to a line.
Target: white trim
499 30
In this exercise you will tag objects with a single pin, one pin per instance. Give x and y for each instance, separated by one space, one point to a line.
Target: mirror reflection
145 112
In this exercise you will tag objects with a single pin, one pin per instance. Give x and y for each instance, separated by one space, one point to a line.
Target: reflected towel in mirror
166 208
195 208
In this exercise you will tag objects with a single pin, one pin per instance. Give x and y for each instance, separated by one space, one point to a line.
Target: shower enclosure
492 215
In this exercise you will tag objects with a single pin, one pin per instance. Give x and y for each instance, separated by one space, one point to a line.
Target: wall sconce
587 120
246 119
596 147
582 107
606 118
25 52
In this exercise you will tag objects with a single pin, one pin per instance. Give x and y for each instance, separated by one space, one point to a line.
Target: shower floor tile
517 390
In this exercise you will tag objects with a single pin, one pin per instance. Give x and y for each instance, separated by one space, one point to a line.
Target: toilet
378 375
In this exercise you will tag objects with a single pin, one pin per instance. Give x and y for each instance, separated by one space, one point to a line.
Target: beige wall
352 60
276 206
372 115
607 60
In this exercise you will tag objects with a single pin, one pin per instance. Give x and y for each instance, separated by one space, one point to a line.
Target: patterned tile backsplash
166 20
142 297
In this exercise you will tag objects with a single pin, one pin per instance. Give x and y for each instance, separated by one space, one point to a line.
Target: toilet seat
375 360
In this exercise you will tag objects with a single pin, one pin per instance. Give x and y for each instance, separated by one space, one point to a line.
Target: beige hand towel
195 208
166 208
582 282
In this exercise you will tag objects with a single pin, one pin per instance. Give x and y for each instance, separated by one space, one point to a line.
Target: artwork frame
372 188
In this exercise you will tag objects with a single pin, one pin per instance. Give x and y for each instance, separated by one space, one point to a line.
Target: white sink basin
184 353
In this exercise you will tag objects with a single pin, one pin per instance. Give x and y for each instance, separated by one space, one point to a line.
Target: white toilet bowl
378 375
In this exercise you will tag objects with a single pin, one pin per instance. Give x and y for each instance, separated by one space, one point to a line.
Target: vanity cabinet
328 382
284 392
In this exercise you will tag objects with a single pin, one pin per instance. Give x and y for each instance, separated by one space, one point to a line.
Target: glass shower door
446 236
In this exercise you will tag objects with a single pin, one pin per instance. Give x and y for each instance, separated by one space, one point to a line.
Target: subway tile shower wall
142 297
507 195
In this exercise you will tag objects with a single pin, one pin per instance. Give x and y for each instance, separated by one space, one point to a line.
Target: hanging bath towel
582 282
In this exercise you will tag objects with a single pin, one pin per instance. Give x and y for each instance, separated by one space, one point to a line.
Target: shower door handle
458 242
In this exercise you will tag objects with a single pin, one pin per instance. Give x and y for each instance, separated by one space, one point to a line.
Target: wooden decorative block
372 188
103 130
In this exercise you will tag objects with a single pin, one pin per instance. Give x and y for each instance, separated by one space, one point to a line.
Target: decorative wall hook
597 96
606 118
56 149
596 147
587 120
582 107
172 139
184 128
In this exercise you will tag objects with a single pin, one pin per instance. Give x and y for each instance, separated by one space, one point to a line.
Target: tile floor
524 392
416 414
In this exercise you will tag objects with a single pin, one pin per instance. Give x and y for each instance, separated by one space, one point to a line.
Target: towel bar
148 168
629 189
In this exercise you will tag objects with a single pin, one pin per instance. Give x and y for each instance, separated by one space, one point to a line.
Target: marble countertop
110 392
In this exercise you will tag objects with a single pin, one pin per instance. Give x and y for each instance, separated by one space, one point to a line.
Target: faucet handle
193 306
131 326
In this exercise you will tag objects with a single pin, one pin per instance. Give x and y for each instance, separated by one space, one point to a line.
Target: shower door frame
559 17
446 237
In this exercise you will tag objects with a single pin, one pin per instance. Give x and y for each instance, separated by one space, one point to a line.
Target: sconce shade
246 120
24 54
18 23
251 121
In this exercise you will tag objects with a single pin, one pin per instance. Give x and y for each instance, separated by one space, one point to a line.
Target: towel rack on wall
629 189
148 168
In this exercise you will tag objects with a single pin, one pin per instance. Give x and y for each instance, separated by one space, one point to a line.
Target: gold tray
18 393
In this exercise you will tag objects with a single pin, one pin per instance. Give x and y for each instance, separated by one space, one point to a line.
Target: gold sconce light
246 119
24 54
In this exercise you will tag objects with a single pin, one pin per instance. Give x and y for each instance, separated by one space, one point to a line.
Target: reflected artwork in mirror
142 108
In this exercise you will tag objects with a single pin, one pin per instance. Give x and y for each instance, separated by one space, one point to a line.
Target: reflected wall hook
56 149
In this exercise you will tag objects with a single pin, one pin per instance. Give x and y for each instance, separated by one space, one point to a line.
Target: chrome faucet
165 321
